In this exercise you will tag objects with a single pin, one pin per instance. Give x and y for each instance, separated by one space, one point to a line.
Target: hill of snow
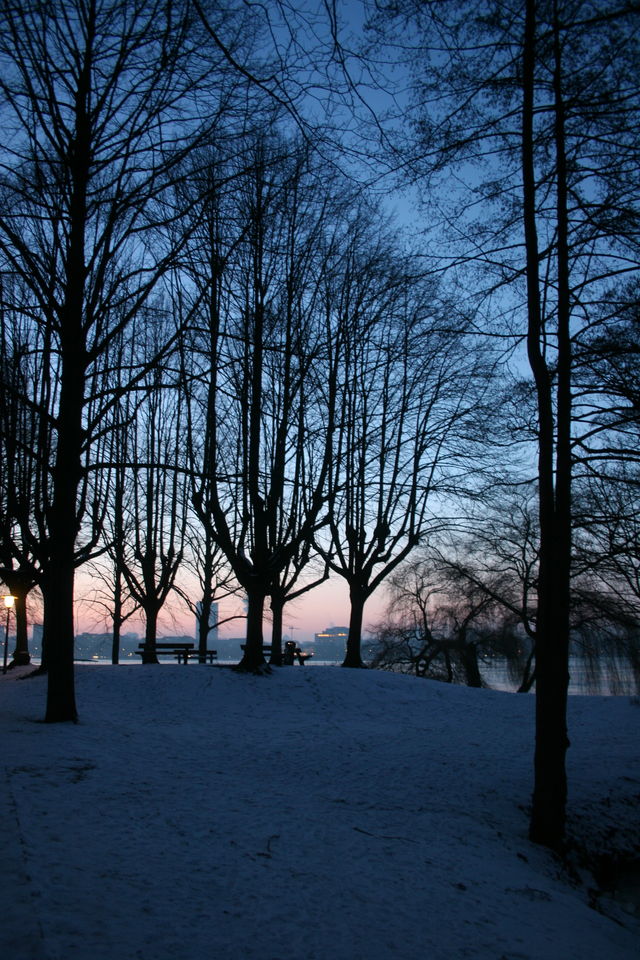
314 814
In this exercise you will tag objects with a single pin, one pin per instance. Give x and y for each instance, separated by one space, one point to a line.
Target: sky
327 605
195 813
324 606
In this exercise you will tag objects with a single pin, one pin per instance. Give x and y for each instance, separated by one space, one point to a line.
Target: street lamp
9 602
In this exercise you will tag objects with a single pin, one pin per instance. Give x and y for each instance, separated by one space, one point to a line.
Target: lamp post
9 602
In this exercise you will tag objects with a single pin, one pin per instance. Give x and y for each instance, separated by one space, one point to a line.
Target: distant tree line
214 350
218 356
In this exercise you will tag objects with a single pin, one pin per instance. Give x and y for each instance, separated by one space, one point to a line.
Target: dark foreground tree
536 105
262 370
101 98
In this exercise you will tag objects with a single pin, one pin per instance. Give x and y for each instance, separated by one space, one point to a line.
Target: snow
312 814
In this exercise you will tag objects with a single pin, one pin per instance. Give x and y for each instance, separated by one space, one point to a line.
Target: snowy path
311 815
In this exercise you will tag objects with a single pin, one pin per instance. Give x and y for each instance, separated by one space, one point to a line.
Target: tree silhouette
264 348
103 101
406 392
536 109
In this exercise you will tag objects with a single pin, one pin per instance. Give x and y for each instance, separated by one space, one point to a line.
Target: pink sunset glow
324 606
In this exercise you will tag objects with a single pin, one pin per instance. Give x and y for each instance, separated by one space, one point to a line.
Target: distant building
92 646
331 643
333 633
129 644
99 646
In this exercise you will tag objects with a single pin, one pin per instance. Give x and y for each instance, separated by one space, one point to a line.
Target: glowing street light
9 602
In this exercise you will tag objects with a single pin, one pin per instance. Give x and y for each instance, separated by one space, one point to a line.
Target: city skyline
325 606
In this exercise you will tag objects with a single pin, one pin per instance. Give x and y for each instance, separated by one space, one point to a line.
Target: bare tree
537 106
606 561
121 609
405 400
102 99
607 388
265 365
206 563
24 474
152 556
116 531
496 555
437 628
290 585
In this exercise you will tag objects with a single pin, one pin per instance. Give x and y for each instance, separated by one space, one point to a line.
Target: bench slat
186 655
177 645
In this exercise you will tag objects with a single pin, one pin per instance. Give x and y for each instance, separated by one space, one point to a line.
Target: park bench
266 649
182 651
289 653
176 649
185 655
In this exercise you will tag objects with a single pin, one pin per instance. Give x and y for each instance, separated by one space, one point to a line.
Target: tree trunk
204 621
528 674
277 610
253 657
44 650
63 515
548 814
58 615
448 664
19 588
353 656
59 610
115 642
118 542
469 657
117 620
552 678
20 656
149 654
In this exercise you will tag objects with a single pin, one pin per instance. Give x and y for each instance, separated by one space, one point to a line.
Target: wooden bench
175 649
209 655
289 652
266 649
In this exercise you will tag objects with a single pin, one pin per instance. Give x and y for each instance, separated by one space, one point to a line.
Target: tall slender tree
268 372
535 107
102 99
153 555
24 475
405 396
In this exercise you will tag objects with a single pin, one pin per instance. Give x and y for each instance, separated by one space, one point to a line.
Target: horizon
327 605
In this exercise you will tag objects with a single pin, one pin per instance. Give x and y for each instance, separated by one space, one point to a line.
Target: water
617 682
620 682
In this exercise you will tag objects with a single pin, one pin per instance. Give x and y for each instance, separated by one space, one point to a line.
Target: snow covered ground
313 814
